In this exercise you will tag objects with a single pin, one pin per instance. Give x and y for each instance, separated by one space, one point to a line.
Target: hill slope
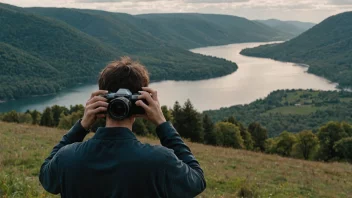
40 55
326 48
292 110
52 54
294 28
229 172
197 30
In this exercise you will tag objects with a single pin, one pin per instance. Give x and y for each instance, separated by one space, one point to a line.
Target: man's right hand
94 108
153 110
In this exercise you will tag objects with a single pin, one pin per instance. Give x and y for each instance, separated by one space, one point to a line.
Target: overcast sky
302 10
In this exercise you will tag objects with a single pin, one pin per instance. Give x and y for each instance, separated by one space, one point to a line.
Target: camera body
122 104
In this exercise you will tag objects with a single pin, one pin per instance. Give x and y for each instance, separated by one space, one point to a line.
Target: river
254 79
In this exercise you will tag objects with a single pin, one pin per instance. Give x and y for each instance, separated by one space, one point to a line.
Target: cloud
341 2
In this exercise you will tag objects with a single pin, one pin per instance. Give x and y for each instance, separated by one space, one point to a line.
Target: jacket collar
114 133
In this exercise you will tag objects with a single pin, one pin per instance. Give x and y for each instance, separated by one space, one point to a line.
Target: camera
122 104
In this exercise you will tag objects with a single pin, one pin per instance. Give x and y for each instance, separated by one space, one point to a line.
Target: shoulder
68 152
160 154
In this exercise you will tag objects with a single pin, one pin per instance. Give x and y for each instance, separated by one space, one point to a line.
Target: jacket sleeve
184 176
49 175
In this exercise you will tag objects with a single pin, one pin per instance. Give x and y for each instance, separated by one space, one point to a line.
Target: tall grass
229 172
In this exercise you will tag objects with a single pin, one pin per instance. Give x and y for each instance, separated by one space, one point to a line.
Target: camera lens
119 108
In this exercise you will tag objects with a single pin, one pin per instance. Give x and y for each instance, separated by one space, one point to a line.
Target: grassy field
229 172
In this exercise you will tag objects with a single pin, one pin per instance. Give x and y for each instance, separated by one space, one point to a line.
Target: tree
246 136
259 135
177 115
56 111
66 121
11 116
139 127
328 135
192 123
188 121
285 143
209 134
228 135
307 143
344 148
47 118
167 113
36 117
25 118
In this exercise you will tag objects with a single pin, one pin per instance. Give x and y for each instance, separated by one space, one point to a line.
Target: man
114 163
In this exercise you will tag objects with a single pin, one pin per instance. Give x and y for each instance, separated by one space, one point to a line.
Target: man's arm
184 176
49 172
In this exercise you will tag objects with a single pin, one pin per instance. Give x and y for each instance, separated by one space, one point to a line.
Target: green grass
229 172
346 99
298 110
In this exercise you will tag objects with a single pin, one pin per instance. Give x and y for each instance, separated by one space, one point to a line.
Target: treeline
332 142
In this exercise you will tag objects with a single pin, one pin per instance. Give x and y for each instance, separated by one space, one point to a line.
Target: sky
301 10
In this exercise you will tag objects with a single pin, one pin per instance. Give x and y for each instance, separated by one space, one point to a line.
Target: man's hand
93 109
153 111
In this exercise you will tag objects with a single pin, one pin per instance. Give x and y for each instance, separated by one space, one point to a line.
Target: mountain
326 48
41 55
293 28
191 30
291 110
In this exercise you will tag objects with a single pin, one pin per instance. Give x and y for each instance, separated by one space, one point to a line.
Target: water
254 79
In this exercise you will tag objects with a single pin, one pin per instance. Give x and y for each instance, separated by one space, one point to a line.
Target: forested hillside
294 28
292 110
326 48
198 30
40 55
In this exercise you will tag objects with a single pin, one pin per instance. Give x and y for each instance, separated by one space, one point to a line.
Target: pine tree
209 134
47 118
259 135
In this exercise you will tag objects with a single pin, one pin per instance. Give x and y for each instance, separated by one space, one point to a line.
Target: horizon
302 10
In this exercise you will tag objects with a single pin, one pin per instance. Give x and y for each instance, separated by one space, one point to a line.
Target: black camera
122 104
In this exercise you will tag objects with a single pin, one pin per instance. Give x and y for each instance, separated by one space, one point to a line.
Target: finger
145 95
99 110
101 116
99 92
98 104
96 99
140 103
152 91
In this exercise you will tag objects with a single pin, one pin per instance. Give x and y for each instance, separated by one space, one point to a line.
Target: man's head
124 73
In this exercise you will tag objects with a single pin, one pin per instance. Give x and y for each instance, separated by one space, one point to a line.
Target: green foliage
318 107
188 121
25 118
326 48
246 136
285 143
328 135
167 113
259 135
11 116
209 133
343 148
66 122
139 127
47 118
307 143
228 135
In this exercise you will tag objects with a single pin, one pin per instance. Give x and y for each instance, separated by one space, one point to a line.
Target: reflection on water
255 78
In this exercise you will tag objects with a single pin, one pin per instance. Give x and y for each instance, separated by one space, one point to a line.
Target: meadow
229 172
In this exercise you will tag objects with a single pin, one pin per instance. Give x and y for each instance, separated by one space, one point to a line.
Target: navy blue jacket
115 164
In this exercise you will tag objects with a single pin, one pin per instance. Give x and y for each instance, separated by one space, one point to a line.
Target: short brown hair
124 73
